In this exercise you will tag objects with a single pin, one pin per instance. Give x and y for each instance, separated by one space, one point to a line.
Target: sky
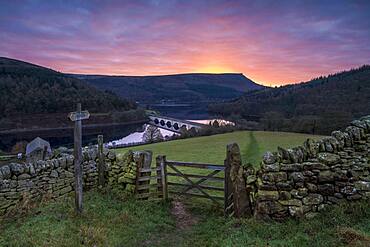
270 42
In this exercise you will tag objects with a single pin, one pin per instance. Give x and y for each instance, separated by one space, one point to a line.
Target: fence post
101 164
240 194
162 173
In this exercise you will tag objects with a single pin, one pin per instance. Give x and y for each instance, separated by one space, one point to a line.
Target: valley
197 123
179 89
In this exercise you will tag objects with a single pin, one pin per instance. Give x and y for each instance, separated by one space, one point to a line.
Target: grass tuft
352 237
93 235
110 221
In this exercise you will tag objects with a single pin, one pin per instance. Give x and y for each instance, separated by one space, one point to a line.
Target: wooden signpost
77 117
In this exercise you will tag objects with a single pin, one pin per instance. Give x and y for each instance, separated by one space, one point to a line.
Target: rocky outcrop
302 181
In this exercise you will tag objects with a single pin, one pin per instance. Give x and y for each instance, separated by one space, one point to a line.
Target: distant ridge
325 103
188 87
27 88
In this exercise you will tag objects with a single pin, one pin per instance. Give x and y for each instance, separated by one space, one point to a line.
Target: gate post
162 176
234 177
228 204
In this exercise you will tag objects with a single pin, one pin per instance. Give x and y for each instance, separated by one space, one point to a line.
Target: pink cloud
270 43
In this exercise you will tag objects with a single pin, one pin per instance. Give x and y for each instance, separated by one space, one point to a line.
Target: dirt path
184 220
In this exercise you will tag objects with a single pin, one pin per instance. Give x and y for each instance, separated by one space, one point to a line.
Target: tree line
318 106
28 89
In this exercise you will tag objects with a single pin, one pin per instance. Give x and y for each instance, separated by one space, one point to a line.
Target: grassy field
212 149
110 221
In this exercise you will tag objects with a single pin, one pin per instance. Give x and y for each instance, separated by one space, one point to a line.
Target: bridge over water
173 124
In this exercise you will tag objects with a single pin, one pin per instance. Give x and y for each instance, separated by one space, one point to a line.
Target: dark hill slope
178 88
324 103
27 89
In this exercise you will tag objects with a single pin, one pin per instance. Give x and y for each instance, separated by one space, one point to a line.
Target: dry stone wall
122 173
54 177
302 181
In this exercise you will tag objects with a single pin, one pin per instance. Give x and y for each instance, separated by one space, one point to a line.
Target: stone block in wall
25 183
334 200
284 155
325 189
296 177
12 195
16 169
341 175
274 167
62 162
266 195
251 179
24 176
296 211
311 187
313 199
364 124
274 176
348 141
5 204
355 133
362 186
294 155
328 158
295 167
348 190
307 174
291 202
303 191
69 160
326 176
6 173
343 155
354 197
299 193
365 178
312 147
285 195
269 208
111 155
269 158
340 137
284 186
63 190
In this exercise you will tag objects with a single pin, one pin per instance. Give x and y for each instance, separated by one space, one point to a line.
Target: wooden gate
191 183
227 188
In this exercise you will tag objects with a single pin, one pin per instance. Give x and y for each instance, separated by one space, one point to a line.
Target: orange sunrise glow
271 43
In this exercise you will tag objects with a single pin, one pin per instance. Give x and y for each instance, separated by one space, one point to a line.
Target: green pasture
212 149
112 220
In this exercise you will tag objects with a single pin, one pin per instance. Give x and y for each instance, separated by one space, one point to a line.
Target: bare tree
216 124
152 134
